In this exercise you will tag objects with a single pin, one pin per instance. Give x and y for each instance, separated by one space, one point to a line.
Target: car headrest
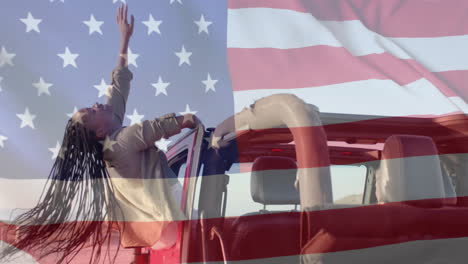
409 170
272 180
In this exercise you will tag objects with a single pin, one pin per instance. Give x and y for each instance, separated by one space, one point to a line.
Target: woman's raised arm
126 31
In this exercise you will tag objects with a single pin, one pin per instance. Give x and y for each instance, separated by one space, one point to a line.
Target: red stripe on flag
277 235
267 68
456 80
269 235
392 18
125 255
450 133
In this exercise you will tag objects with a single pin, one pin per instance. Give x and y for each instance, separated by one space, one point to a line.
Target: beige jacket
138 170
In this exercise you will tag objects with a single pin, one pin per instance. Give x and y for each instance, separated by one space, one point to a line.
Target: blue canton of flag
57 56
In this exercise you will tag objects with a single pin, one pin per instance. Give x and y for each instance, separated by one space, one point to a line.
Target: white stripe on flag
19 258
460 103
7 202
379 97
287 29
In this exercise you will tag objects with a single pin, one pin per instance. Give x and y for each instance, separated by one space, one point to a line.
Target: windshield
348 183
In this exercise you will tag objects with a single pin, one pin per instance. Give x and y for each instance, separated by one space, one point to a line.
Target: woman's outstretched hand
126 30
189 121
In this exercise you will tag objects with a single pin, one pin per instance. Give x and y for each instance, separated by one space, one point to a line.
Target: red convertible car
281 182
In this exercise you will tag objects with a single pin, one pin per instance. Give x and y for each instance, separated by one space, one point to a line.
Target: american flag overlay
391 59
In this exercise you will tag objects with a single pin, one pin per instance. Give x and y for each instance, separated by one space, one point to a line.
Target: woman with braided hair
106 176
78 171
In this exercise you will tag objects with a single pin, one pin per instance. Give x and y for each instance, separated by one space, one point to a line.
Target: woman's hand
190 121
126 30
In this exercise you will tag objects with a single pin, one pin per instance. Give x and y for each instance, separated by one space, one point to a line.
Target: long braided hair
78 182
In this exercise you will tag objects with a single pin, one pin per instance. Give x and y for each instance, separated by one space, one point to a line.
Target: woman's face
97 118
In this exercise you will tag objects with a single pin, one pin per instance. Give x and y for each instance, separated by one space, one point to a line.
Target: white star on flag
160 86
2 138
80 120
94 25
61 152
70 115
55 151
203 25
42 87
68 58
26 119
209 84
109 144
102 88
108 90
162 144
135 118
187 110
183 56
31 23
6 58
153 25
178 1
132 57
213 141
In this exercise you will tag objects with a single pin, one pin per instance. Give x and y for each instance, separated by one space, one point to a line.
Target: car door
183 158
